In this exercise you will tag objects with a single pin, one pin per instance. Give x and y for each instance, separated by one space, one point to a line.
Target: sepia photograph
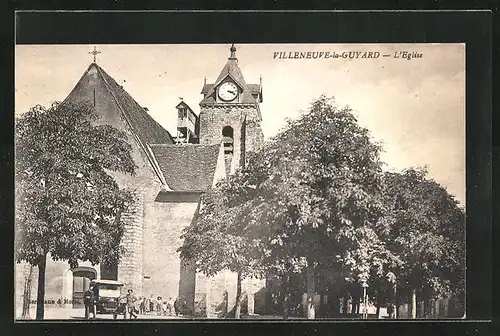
240 181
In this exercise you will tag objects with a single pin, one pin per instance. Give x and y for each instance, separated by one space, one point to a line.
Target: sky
415 107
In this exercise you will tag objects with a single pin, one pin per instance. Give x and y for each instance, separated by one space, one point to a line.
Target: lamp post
364 284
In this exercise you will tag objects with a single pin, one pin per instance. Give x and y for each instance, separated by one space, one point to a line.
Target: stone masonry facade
216 296
244 121
130 266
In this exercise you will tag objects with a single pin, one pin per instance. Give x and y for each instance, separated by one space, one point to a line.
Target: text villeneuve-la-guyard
408 55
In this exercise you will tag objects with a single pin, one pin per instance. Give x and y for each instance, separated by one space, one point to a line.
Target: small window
182 113
228 139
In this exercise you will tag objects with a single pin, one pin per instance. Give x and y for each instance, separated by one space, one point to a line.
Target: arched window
228 139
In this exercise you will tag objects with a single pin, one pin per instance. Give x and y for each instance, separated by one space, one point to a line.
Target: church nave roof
95 81
187 167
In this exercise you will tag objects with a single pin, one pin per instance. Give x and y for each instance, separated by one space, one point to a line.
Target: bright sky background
416 107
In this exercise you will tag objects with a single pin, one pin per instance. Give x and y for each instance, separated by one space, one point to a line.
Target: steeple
233 52
231 71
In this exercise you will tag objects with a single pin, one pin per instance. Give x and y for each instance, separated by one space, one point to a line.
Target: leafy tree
319 185
214 242
67 204
425 226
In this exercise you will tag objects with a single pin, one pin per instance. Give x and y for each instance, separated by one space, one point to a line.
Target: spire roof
233 71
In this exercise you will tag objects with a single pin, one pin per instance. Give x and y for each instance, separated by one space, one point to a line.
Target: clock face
228 91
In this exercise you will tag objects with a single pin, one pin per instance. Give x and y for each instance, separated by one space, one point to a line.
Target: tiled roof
183 104
142 124
206 88
145 127
187 167
254 88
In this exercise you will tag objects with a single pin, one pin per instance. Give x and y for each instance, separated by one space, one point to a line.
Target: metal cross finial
94 52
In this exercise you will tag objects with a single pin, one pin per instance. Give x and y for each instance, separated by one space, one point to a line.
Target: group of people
160 306
143 306
134 306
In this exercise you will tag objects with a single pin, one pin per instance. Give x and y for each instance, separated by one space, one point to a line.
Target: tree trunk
396 301
414 304
286 297
428 303
377 313
354 306
355 303
27 294
345 305
40 297
311 291
237 310
322 305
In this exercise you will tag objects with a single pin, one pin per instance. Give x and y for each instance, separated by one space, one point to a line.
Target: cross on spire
94 52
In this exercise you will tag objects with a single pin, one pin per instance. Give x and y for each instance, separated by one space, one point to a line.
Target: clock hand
231 91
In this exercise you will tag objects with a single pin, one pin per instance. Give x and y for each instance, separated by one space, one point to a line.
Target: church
172 173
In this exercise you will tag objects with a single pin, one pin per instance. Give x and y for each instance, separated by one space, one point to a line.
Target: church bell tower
230 114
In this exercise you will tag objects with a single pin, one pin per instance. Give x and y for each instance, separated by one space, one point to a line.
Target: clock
228 91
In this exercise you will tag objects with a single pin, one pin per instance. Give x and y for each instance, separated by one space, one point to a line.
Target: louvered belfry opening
228 142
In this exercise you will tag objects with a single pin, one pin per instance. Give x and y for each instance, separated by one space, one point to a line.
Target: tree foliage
319 183
215 243
315 200
67 204
425 226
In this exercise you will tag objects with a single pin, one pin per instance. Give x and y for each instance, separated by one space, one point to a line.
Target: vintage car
108 297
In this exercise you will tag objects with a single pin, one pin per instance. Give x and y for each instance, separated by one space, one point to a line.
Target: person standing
158 305
177 307
89 301
164 307
151 303
170 306
146 305
142 305
131 303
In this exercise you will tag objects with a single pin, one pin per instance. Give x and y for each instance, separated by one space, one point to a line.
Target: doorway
81 281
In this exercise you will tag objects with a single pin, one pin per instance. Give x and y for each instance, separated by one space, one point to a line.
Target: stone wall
216 296
214 118
187 285
162 237
254 134
130 266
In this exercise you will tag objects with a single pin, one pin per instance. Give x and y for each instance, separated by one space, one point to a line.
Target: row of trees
316 201
313 201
